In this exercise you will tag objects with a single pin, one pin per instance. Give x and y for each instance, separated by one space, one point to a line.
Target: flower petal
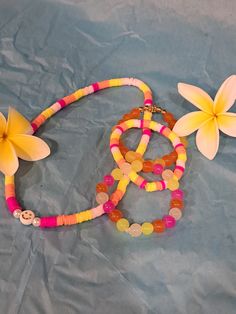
207 139
196 96
29 147
226 95
227 123
17 124
3 124
190 122
8 160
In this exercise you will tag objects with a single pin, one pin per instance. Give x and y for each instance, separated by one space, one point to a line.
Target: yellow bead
147 228
184 141
122 224
172 184
137 165
117 174
130 156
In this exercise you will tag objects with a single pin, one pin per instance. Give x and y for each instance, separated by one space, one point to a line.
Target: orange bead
174 155
176 203
168 160
127 116
115 215
159 226
124 150
171 124
135 113
167 117
101 187
148 166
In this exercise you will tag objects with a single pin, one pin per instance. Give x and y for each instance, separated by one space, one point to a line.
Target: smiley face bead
27 217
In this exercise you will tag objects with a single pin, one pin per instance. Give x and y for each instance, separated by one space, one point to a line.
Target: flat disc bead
159 161
147 228
176 213
158 226
117 174
125 168
167 174
172 184
137 165
102 197
130 156
122 225
135 230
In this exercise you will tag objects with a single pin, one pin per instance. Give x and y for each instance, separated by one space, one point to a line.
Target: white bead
17 213
27 217
36 222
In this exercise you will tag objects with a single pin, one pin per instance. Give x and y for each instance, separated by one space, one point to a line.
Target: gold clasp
152 109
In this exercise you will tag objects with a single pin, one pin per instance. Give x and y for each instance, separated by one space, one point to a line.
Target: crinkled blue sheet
47 50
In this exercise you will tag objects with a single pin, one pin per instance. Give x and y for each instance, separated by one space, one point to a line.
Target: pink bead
169 221
157 169
109 180
179 194
108 206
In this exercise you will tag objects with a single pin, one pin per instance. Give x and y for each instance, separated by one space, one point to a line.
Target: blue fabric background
47 50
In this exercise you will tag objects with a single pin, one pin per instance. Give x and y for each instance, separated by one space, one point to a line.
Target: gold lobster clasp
152 109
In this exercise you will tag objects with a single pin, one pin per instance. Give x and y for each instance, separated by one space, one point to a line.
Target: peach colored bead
102 197
176 213
135 230
167 174
125 168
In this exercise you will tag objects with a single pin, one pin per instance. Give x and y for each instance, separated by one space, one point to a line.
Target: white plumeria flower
212 117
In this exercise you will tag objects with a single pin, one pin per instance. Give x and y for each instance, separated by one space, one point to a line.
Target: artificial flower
16 141
211 118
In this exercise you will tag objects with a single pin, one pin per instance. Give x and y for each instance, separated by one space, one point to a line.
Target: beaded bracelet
27 217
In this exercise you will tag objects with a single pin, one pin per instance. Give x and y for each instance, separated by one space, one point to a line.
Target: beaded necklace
129 164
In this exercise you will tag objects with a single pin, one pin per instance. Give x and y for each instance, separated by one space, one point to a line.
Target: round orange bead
168 160
168 117
148 166
135 113
176 203
101 187
158 226
115 215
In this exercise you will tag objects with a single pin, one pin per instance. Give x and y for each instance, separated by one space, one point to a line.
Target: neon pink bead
179 194
169 221
157 169
109 180
108 206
